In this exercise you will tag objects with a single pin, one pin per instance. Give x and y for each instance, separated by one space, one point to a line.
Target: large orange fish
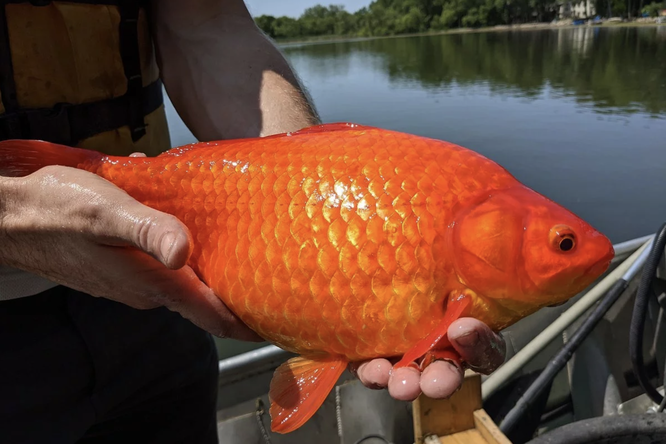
344 243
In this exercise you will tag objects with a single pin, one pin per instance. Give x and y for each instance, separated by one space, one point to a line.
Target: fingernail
469 339
455 364
167 245
355 367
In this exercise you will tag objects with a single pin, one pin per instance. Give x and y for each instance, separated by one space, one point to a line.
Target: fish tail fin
22 157
299 387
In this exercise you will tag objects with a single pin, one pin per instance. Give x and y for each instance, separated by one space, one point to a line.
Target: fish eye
562 238
566 244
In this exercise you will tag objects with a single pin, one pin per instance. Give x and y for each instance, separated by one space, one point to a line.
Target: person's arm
224 77
228 80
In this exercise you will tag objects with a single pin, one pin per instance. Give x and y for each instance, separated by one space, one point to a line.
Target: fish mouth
597 270
604 254
579 284
591 274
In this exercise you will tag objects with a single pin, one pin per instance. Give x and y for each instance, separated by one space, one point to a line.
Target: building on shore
576 9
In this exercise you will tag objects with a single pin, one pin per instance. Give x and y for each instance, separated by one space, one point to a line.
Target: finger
137 155
441 379
178 290
403 384
481 348
202 307
374 374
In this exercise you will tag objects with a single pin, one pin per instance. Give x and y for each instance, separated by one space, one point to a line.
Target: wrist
9 190
6 197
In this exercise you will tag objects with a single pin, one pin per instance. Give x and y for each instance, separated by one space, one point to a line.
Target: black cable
641 428
566 406
561 358
638 317
365 438
662 406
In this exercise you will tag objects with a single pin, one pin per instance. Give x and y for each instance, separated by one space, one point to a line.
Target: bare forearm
225 78
7 196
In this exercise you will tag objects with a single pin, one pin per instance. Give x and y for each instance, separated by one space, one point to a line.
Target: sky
294 8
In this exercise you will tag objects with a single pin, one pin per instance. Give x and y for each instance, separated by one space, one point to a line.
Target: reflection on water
621 69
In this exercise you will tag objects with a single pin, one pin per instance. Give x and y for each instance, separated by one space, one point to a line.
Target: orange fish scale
325 243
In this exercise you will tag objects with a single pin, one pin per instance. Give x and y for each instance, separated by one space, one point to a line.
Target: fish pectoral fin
437 338
448 354
299 387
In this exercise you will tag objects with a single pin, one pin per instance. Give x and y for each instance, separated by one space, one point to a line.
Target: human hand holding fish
349 244
72 227
480 349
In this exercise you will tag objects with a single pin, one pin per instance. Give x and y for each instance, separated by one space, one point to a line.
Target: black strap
87 2
129 53
68 124
7 85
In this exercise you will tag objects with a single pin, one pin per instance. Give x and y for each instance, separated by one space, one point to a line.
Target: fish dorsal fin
324 128
20 157
178 151
299 387
329 127
437 338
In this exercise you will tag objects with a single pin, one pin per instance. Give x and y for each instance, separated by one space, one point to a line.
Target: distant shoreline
498 28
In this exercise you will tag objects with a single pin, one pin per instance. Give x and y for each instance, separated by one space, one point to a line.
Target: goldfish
343 242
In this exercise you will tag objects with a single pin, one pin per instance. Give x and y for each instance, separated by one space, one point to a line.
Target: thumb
158 234
481 348
179 290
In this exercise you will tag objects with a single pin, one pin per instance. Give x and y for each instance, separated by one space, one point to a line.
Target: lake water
578 115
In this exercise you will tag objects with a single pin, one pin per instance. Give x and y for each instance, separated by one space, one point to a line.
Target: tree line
598 72
393 17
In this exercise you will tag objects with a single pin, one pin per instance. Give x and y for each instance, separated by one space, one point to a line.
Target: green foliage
653 9
285 27
391 17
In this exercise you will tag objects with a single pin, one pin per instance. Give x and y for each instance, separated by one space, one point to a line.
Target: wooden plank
471 436
488 429
441 417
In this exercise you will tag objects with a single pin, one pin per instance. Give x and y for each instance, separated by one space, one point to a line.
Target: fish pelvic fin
437 339
299 387
22 157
